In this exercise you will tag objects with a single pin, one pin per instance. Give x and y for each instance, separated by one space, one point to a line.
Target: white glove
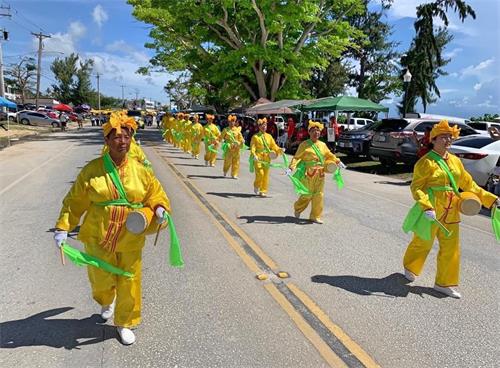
60 237
430 214
288 172
342 165
160 212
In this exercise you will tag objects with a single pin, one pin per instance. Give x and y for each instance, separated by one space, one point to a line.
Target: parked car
482 126
50 113
480 156
356 123
28 117
395 140
357 142
280 122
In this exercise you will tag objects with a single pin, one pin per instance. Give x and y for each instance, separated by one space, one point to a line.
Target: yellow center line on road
15 182
333 344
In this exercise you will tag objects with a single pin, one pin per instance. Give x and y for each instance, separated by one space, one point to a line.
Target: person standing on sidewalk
96 194
437 178
232 142
262 147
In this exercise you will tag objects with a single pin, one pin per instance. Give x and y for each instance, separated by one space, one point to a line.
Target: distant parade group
121 201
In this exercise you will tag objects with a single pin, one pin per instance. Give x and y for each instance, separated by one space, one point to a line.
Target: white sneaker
449 291
262 194
317 221
212 165
296 214
410 276
256 190
126 335
107 311
234 177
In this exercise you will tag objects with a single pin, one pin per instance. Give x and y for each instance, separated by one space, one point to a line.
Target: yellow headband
314 124
231 118
444 128
262 121
117 121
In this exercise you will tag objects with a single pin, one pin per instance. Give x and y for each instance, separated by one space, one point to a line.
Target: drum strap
110 168
444 166
317 152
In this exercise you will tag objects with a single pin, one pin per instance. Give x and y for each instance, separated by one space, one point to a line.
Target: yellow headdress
314 124
231 118
210 117
196 118
262 121
119 120
444 128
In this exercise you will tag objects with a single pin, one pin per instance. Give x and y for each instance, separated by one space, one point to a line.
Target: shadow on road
275 220
207 177
395 285
190 165
398 183
39 330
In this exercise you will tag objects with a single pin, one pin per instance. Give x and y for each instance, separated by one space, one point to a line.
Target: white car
356 123
480 156
482 126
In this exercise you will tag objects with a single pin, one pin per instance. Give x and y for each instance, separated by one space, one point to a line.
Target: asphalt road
214 312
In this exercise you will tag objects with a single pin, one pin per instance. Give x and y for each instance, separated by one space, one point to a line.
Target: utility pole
5 36
98 93
40 36
123 95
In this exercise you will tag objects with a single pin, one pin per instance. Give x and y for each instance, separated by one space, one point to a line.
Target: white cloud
451 54
405 8
124 48
99 14
64 42
477 86
480 70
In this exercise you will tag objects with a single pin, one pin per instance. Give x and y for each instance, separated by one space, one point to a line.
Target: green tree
268 47
330 81
64 72
20 76
82 87
378 73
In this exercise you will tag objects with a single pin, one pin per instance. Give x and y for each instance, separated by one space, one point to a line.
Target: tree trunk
261 81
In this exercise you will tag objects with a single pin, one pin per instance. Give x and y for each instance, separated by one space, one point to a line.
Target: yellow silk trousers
195 148
169 138
261 177
186 145
448 258
105 286
210 156
316 185
232 160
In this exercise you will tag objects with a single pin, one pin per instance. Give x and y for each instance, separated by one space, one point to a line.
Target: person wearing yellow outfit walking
186 143
262 146
437 178
232 142
310 160
196 136
167 125
211 135
102 192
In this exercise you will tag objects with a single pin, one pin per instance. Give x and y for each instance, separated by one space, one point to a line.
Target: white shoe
410 276
449 291
317 221
256 191
107 311
234 177
296 214
212 165
126 335
262 194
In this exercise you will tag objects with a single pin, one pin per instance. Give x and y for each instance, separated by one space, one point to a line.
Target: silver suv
394 140
27 117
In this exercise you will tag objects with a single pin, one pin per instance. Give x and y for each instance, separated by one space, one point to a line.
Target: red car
51 114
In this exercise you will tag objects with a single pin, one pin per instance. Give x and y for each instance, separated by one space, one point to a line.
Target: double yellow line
334 345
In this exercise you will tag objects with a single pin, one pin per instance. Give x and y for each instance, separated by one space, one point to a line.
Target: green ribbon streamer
225 148
175 255
337 176
421 225
299 187
251 164
82 259
495 222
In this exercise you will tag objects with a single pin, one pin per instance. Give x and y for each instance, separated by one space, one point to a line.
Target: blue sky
106 32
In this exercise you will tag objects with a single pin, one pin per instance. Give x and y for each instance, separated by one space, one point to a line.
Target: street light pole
406 79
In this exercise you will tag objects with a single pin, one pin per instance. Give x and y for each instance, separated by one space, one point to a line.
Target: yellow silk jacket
307 154
427 174
196 132
233 137
258 148
105 226
211 133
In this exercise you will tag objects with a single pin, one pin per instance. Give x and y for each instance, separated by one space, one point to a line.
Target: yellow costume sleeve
75 204
272 144
418 187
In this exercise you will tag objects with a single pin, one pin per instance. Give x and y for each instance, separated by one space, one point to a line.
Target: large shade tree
268 47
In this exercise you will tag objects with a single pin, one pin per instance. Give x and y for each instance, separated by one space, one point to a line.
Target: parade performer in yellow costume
103 230
196 136
262 145
232 142
177 130
437 178
167 125
186 142
211 135
310 160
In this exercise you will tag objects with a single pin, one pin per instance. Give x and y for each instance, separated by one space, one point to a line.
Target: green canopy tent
343 103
